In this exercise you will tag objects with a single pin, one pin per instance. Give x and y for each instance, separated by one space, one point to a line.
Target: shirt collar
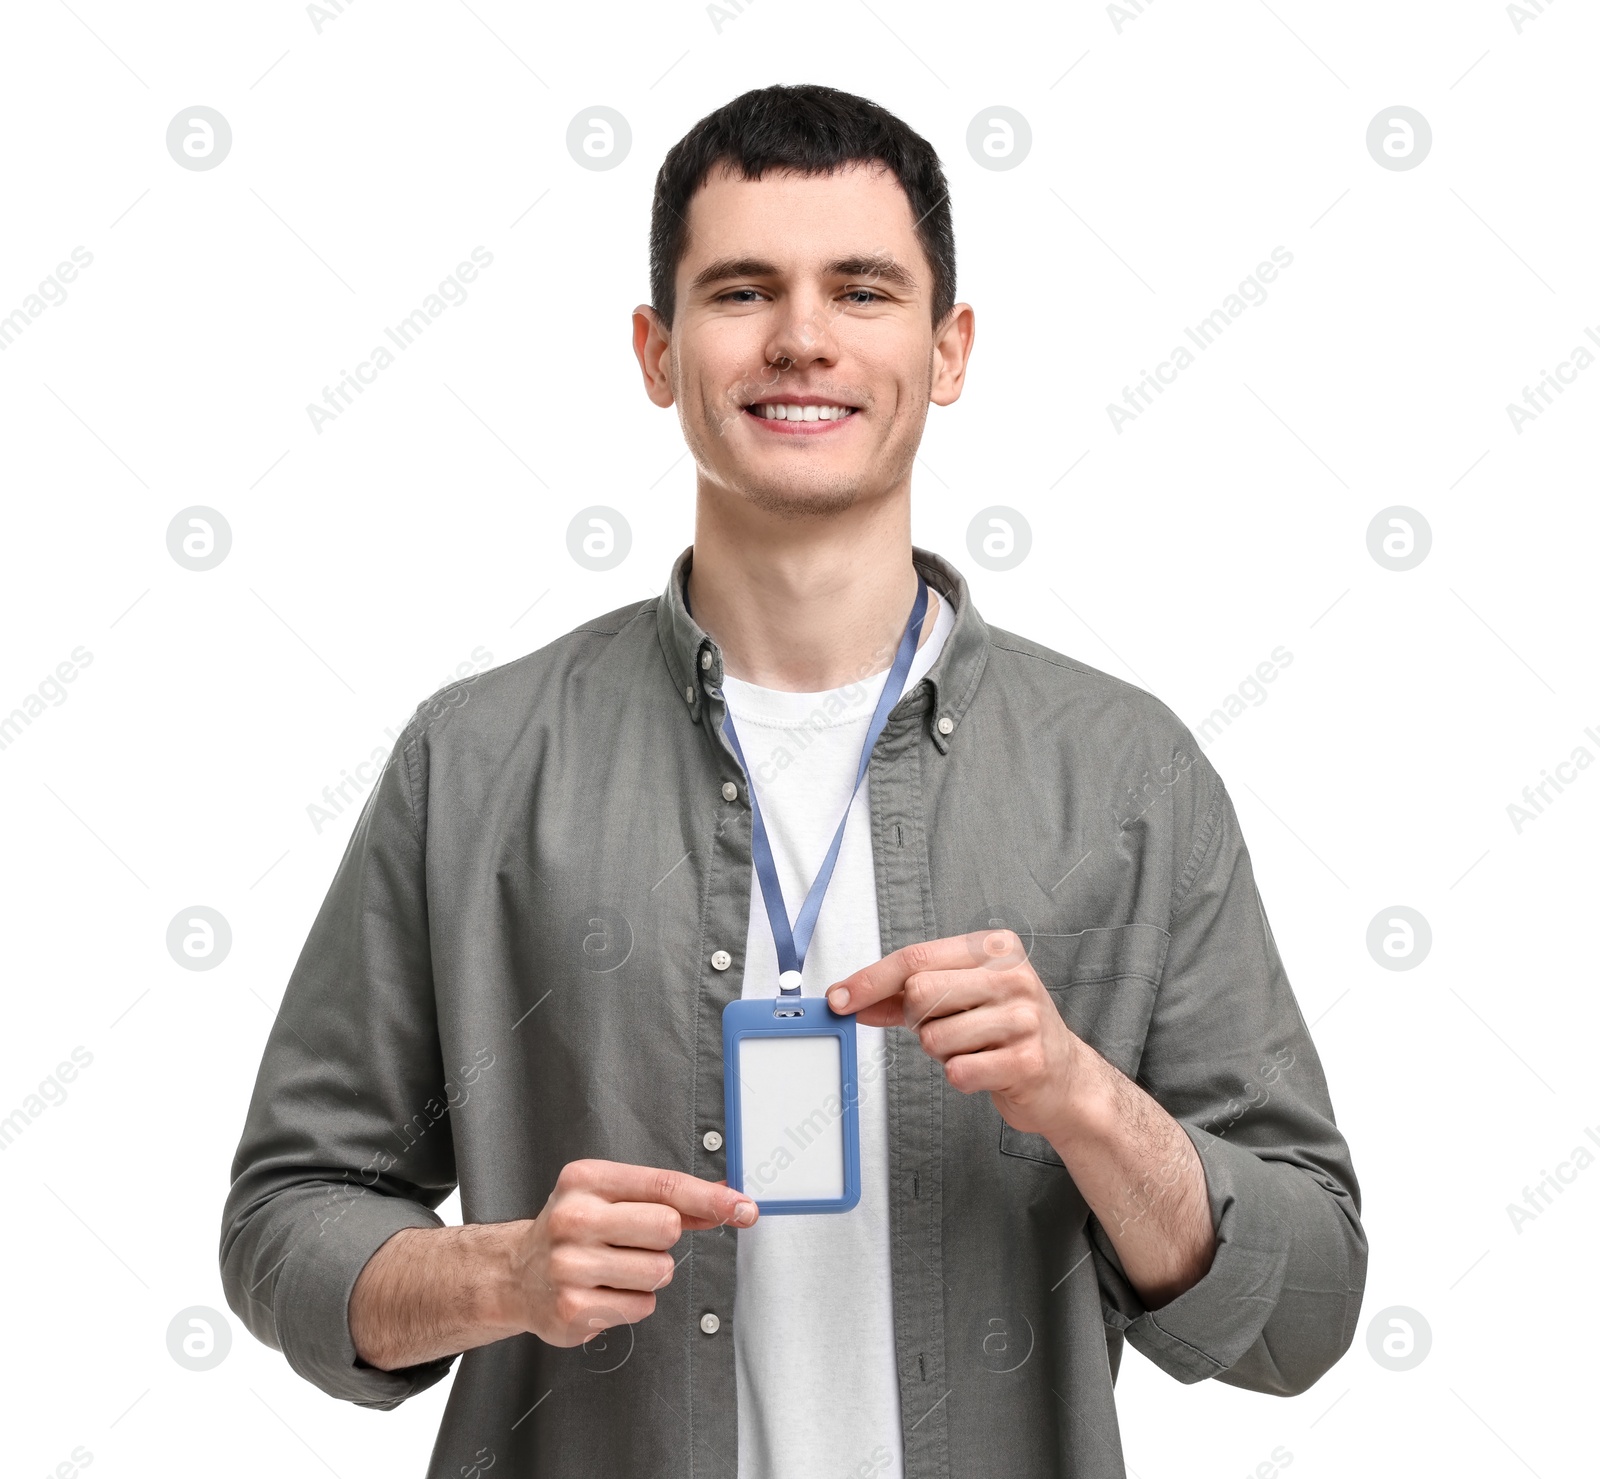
945 692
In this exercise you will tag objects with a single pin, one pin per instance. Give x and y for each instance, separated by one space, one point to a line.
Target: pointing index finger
702 1204
887 977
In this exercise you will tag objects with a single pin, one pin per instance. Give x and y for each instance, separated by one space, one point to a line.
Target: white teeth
777 412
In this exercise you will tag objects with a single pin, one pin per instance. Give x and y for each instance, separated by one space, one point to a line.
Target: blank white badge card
791 1117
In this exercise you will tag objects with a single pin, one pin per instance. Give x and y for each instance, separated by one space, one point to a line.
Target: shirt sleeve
347 1139
1229 1056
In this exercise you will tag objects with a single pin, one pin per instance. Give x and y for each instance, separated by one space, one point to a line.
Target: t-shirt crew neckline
827 708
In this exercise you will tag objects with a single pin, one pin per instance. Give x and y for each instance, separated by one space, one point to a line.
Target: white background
1171 152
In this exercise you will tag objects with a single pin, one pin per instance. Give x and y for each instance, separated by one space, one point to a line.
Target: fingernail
838 998
745 1213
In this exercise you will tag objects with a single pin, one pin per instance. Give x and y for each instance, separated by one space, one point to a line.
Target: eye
734 293
859 294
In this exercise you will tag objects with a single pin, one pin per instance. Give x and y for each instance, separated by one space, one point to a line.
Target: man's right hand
593 1258
599 1250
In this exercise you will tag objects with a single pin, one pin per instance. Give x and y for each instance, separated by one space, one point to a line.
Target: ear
952 348
652 344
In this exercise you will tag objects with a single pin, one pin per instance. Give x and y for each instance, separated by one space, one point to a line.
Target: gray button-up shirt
523 960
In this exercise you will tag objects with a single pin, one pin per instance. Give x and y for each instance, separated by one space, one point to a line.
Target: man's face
802 356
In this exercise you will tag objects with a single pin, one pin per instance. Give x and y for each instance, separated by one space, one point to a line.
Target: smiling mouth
791 411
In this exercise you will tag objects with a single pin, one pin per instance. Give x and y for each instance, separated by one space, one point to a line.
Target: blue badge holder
800 1150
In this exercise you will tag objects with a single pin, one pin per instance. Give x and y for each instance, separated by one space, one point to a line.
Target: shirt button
946 724
720 960
688 692
705 659
730 792
711 1140
710 1323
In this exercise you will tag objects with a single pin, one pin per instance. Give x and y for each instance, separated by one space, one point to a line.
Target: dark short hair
811 130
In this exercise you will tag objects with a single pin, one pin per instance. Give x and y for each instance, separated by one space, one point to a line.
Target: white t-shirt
819 1392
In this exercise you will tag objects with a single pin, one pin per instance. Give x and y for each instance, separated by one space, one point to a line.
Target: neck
805 604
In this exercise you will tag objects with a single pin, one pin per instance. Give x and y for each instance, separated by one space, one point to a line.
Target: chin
801 498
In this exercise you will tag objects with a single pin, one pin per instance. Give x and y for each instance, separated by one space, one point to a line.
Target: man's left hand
978 1007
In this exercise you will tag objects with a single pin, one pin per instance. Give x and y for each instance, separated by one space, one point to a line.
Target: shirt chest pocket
1103 982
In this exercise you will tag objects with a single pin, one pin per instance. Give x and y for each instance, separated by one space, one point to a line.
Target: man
1089 1108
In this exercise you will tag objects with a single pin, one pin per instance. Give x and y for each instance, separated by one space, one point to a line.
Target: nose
802 334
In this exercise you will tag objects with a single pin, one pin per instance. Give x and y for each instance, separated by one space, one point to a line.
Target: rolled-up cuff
311 1304
1210 1326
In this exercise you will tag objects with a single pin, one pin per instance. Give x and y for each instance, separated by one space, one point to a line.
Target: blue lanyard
793 944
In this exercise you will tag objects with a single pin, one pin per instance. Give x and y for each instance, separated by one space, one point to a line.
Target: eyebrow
878 269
